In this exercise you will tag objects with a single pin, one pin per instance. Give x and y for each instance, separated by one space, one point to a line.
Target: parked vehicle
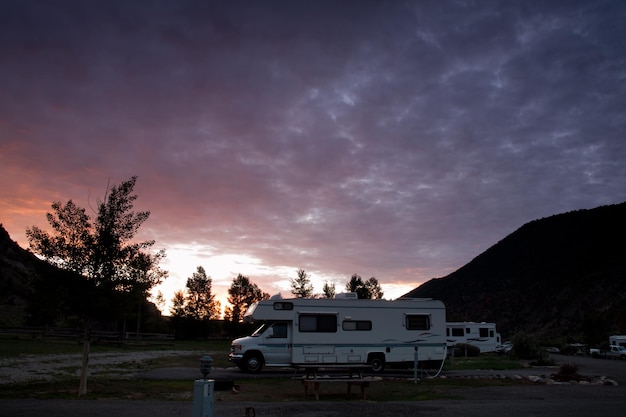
553 349
617 340
482 335
575 349
505 348
616 352
301 332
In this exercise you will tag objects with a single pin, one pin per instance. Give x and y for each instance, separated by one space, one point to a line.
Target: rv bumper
235 358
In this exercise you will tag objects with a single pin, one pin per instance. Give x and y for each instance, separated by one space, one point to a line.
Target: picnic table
312 380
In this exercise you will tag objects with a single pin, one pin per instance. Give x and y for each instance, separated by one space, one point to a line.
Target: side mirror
270 332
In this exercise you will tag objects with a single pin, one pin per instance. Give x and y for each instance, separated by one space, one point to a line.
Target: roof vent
347 296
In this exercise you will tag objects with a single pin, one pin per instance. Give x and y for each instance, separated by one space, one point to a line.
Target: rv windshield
260 330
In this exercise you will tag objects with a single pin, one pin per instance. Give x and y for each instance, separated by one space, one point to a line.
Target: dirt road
550 400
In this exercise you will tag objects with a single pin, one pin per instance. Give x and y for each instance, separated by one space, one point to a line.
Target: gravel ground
27 368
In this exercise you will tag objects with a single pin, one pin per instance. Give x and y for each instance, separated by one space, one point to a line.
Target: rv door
278 344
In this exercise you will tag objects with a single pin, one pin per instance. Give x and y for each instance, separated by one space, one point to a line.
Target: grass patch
218 350
17 347
192 360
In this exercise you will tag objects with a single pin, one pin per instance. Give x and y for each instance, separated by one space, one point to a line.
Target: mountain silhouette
562 277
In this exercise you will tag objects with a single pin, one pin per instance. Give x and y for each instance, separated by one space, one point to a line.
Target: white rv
617 340
482 335
302 332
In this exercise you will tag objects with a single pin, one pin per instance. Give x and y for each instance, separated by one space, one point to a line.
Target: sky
391 139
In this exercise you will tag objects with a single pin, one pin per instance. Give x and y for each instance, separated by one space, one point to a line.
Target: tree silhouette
104 252
241 295
178 305
365 290
301 286
200 301
329 289
374 288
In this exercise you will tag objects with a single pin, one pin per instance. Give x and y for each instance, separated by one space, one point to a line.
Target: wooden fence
79 334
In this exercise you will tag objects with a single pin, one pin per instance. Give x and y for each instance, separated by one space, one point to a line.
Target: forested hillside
561 277
30 288
33 292
17 271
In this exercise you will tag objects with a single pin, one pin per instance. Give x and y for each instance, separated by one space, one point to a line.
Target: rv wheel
252 363
377 363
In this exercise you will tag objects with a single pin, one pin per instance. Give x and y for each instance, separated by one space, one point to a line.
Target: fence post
82 390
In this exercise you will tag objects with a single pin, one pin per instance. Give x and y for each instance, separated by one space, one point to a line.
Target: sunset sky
392 139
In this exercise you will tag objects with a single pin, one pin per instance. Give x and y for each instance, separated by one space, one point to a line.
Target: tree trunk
138 327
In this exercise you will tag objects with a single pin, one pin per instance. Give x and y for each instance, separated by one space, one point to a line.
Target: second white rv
482 335
301 332
617 340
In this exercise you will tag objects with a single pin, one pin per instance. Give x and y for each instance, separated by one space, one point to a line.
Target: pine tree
301 286
200 301
329 289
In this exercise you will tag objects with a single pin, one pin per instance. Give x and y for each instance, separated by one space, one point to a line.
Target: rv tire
377 363
252 363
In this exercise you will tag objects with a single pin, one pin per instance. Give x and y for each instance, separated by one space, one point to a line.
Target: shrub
568 350
525 346
568 368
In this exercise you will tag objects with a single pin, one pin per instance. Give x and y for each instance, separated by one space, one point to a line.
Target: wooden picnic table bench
355 377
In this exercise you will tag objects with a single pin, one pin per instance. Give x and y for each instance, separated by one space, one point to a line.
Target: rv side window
349 325
417 322
483 332
457 331
321 323
281 305
280 330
